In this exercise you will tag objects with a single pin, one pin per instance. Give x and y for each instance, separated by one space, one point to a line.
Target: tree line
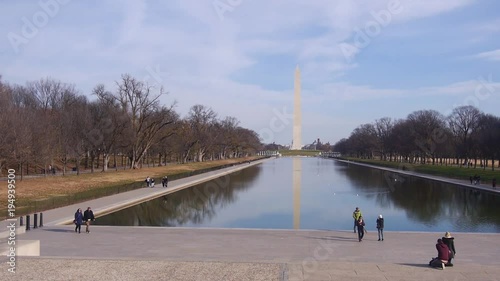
466 137
48 123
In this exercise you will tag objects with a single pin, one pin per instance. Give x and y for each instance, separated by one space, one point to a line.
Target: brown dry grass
52 186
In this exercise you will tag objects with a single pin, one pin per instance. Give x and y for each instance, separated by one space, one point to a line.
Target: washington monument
297 115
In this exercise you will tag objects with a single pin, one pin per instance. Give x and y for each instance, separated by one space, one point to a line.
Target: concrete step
6 225
27 248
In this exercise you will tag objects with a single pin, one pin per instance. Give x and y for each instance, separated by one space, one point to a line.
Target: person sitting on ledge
449 241
443 255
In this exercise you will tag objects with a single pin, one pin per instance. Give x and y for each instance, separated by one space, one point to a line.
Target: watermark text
11 209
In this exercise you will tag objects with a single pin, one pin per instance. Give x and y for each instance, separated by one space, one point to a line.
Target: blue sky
239 56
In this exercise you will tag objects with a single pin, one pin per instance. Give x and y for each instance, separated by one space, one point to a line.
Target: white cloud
88 44
426 8
347 92
491 55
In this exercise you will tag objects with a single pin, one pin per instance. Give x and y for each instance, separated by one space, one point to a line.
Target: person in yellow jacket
355 215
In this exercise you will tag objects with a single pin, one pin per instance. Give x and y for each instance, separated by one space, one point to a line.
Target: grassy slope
446 171
56 191
299 152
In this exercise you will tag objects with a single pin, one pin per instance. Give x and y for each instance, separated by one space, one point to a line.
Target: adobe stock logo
223 6
363 37
31 26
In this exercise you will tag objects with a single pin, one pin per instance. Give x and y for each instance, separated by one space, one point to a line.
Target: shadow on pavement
337 238
415 264
58 230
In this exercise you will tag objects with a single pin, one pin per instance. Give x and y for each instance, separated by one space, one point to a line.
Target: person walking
380 228
78 220
88 216
361 228
356 215
164 181
450 242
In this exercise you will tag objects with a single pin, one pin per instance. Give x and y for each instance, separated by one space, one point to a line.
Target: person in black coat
78 220
450 242
361 228
380 228
88 216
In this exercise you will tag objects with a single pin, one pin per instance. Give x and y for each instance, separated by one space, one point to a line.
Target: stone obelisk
297 115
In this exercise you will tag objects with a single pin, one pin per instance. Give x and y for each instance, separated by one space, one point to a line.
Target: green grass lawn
439 170
43 193
299 152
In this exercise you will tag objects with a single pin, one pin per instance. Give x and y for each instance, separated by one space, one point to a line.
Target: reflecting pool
317 193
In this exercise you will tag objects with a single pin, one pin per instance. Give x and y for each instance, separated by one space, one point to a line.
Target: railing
330 154
28 221
268 153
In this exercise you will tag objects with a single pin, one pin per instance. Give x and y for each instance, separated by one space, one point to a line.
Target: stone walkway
463 183
112 203
140 253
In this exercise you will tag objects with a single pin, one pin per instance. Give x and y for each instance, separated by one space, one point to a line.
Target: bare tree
401 140
202 120
70 111
145 115
6 105
488 138
184 140
426 127
247 142
15 138
463 123
109 123
226 140
364 140
46 98
384 128
54 124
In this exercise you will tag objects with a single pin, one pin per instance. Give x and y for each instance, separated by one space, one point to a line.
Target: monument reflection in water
297 172
315 193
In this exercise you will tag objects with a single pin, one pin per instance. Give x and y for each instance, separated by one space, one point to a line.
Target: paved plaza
162 253
145 253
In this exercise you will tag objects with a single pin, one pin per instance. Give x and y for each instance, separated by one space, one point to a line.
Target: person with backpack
356 215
